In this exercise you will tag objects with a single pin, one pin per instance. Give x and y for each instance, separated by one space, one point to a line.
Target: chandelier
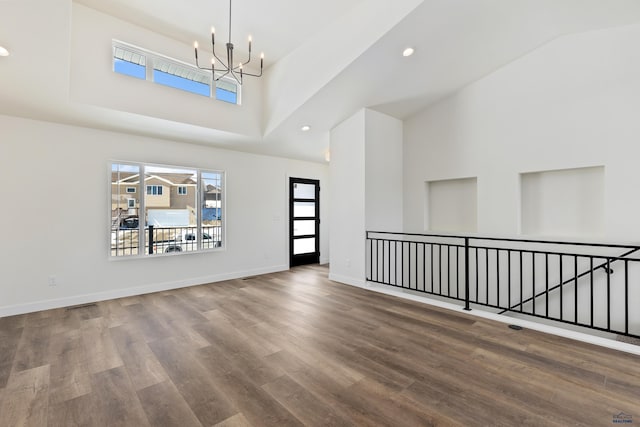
228 68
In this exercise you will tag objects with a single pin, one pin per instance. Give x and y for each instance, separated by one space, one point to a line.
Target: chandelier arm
248 60
213 50
222 75
235 77
204 68
253 75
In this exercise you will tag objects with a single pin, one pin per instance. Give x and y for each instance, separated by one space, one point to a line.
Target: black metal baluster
498 277
431 254
626 297
378 260
424 267
439 269
395 262
457 271
509 278
561 293
533 281
416 266
608 294
477 299
385 260
486 268
448 270
150 239
402 264
371 260
591 288
546 281
466 274
521 282
575 291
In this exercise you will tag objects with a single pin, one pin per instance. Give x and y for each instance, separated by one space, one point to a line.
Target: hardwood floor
294 348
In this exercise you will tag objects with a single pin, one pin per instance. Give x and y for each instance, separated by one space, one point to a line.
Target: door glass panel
307 209
302 228
304 246
304 191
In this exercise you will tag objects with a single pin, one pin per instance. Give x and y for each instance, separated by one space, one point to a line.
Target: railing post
466 274
150 239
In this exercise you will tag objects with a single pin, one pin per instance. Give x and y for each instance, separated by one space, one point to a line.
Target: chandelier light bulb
195 45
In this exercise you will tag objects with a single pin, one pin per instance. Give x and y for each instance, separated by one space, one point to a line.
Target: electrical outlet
53 281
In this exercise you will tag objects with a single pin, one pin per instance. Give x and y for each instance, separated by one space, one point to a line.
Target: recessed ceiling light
3 51
305 128
408 51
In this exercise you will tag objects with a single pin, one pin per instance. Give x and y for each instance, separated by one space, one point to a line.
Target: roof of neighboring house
169 178
124 177
212 189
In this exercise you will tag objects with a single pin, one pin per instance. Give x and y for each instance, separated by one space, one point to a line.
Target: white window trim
142 207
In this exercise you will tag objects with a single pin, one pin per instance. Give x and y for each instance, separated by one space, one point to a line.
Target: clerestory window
143 64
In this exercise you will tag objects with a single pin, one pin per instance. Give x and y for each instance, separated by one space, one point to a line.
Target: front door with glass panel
304 221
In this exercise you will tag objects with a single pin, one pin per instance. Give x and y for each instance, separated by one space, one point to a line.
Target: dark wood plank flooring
294 348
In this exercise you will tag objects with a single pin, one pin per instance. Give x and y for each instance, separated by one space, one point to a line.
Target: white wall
383 172
572 103
93 82
452 205
366 188
347 195
294 79
56 215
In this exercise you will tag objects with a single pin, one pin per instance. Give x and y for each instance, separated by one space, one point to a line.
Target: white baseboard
578 336
31 307
349 280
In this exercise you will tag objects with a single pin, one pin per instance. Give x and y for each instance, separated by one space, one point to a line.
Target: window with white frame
146 65
168 224
154 190
131 189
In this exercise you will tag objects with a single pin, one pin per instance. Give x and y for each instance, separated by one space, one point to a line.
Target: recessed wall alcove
451 205
563 203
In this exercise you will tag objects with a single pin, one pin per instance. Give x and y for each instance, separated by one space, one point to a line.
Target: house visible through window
168 224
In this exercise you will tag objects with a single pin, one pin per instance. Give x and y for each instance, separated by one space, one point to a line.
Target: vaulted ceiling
325 60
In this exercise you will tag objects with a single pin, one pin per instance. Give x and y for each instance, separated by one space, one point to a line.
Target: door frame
310 258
